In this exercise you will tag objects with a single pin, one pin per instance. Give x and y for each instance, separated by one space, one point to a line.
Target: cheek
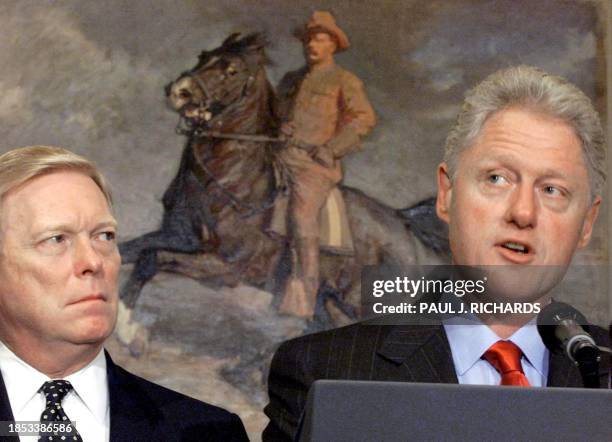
38 279
470 214
562 237
113 265
114 262
28 297
473 219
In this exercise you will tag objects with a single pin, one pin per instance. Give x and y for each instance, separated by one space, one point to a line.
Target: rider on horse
325 112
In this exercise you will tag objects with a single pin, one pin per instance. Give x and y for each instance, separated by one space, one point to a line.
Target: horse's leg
144 270
130 250
201 266
253 266
130 332
159 239
337 279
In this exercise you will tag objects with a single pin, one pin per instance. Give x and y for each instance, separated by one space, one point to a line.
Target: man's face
319 48
58 262
521 194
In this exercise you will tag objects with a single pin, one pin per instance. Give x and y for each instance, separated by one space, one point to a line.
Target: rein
238 205
194 130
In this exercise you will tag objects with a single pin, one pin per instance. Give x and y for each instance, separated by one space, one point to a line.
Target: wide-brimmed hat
323 21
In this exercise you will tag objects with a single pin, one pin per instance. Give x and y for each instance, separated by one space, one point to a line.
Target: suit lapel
6 414
132 413
422 352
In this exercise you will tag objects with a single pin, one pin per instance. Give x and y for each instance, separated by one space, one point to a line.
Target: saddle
335 237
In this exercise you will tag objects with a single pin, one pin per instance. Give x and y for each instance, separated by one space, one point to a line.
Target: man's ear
445 191
588 223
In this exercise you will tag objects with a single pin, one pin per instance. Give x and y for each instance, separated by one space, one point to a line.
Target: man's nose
523 207
87 259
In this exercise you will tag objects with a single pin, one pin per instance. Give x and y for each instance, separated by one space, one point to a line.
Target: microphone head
551 316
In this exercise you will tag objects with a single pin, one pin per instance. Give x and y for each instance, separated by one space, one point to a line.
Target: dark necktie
505 357
54 392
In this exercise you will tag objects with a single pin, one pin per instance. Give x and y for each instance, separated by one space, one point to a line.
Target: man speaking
58 303
519 187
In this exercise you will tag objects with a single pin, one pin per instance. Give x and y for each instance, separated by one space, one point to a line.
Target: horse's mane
235 45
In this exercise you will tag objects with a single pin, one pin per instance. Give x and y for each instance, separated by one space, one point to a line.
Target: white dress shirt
86 404
469 340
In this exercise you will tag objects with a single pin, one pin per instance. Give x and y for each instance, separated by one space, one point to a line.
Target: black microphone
565 330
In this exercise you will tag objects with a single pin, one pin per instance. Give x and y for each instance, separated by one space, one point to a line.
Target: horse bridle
189 127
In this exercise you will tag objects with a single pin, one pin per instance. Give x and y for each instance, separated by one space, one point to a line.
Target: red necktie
505 356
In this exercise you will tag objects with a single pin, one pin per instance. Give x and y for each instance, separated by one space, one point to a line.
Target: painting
97 78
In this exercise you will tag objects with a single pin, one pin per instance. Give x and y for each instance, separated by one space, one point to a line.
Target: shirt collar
90 384
468 342
322 70
20 379
470 339
529 341
23 381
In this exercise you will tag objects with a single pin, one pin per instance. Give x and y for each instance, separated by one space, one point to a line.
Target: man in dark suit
59 265
520 189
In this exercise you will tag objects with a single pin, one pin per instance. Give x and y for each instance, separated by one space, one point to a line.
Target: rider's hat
324 21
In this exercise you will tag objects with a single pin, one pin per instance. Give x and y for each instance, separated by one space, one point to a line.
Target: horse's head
221 78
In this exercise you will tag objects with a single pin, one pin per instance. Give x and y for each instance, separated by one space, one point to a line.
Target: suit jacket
409 353
143 411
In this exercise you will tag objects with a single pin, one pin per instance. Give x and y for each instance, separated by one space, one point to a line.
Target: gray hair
25 163
530 87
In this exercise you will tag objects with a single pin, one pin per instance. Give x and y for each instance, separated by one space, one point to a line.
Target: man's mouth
516 247
516 252
92 297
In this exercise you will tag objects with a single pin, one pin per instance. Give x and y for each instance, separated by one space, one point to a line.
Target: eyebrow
110 223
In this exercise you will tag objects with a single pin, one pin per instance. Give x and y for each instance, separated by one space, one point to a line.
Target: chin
94 330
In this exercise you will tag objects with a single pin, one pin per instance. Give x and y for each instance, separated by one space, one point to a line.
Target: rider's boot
300 295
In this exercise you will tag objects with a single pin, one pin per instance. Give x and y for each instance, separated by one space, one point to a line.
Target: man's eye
107 236
496 179
56 239
553 191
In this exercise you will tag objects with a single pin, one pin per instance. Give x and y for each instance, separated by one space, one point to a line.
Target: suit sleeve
237 432
357 117
287 389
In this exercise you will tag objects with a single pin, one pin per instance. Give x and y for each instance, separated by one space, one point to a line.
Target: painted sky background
89 76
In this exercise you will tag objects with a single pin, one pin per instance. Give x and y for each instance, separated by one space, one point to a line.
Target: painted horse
217 207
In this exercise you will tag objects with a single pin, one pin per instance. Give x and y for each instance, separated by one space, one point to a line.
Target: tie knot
505 356
55 391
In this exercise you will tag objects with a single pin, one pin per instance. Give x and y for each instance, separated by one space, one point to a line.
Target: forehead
319 36
529 139
49 197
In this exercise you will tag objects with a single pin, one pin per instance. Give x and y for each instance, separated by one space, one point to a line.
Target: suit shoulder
175 403
334 338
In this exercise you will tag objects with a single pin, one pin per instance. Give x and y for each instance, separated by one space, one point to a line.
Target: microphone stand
607 350
589 368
